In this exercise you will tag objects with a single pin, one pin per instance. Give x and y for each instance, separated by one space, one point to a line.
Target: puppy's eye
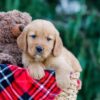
33 36
49 39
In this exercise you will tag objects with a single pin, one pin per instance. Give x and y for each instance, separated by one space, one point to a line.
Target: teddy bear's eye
49 39
33 36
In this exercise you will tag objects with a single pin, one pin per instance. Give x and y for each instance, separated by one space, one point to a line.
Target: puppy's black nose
39 49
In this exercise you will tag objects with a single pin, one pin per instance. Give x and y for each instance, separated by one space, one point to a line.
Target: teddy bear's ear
17 29
21 27
22 41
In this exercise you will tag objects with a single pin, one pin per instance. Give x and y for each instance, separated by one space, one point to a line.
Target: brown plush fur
11 24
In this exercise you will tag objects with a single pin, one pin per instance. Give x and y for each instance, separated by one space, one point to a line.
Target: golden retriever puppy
43 48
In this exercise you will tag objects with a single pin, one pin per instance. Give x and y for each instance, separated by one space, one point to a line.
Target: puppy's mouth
38 57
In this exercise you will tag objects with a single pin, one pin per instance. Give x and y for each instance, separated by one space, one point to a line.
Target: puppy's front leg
36 70
63 79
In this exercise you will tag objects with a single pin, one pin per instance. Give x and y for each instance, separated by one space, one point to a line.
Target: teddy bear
11 26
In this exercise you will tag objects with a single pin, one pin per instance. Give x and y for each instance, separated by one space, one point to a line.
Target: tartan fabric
16 84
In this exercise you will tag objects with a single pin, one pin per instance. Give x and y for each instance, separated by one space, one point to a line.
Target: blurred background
78 22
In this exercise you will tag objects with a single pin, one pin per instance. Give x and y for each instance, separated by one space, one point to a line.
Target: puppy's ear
22 40
57 46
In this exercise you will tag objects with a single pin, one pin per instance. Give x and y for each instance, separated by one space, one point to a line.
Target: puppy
42 48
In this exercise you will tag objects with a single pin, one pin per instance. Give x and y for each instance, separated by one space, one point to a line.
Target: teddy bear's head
12 24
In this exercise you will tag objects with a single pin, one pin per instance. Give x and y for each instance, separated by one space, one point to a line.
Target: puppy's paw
36 72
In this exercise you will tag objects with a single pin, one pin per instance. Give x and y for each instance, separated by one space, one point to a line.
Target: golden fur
54 56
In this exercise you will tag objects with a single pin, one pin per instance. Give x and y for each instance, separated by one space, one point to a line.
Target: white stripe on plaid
8 82
42 87
6 92
48 92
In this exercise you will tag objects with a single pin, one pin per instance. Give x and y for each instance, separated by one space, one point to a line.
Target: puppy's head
40 39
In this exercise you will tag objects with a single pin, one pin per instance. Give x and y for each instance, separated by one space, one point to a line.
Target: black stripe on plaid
5 76
25 96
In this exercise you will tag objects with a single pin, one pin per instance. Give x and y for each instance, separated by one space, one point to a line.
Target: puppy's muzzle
39 49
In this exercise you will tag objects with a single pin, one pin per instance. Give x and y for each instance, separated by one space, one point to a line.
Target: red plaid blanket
16 84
